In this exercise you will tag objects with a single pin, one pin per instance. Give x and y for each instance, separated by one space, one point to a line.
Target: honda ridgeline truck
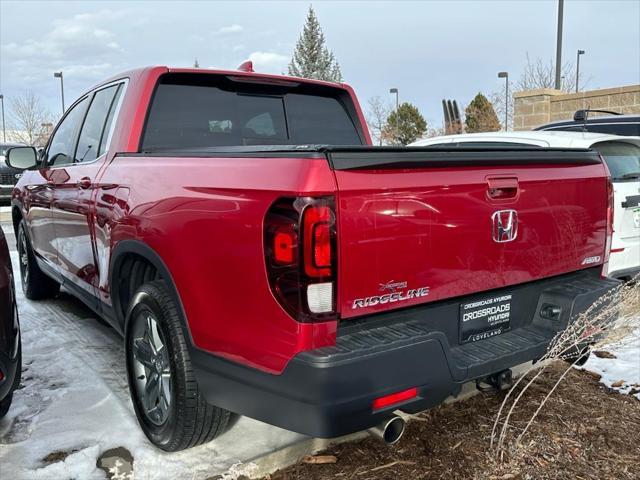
260 257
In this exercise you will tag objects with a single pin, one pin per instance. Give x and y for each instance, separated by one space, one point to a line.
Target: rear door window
95 126
623 159
197 114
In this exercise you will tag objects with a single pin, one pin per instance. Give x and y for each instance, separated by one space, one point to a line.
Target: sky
429 50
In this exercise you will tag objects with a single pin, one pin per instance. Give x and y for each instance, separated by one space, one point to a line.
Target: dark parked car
8 176
614 124
10 351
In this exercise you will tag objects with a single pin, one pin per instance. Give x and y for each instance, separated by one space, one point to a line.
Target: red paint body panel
204 218
432 228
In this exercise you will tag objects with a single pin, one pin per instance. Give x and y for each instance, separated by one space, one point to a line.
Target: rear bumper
625 264
329 391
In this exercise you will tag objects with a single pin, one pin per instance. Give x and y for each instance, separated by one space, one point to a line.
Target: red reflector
1 375
394 398
284 245
322 245
617 250
317 221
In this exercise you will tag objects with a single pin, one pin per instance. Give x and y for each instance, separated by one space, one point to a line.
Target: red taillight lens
395 398
285 245
300 255
317 221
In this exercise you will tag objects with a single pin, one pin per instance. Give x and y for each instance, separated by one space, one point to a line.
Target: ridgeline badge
393 296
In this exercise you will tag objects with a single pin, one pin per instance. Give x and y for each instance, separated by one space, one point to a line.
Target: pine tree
480 116
404 126
311 58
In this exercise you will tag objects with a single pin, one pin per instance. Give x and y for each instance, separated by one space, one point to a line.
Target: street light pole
580 52
505 75
4 133
59 75
395 90
559 45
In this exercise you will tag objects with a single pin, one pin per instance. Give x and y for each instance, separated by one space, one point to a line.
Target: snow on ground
621 373
75 397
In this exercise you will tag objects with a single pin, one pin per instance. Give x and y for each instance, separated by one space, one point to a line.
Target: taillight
609 234
300 255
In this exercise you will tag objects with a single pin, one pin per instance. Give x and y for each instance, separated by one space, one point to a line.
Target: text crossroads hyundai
261 258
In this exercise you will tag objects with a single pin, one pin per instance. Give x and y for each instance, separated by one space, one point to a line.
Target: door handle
84 183
502 188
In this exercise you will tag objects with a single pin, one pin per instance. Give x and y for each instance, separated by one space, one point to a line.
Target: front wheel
170 409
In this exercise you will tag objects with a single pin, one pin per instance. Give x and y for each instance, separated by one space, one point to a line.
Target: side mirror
21 157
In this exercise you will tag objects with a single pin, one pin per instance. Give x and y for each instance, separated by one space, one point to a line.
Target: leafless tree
497 98
540 74
29 119
377 115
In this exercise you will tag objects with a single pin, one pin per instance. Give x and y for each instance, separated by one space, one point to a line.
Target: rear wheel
35 284
171 411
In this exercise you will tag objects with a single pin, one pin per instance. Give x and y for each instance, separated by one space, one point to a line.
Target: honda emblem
505 226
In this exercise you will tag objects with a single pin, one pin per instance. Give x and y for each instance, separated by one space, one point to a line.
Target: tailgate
417 226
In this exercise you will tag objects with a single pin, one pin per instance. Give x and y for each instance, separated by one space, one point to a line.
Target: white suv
622 155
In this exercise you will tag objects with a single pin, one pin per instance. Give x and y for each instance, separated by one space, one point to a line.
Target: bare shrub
612 317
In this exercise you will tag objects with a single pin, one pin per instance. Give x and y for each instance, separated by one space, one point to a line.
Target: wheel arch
135 250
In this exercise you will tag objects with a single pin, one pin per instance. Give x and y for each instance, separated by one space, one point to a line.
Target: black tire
36 285
187 420
5 403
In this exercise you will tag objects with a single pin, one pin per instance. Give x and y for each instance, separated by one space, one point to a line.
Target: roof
552 139
598 119
136 72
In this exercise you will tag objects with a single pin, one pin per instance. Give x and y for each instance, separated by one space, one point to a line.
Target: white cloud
269 62
230 29
79 43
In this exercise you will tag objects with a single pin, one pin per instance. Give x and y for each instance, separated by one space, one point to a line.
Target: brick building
536 107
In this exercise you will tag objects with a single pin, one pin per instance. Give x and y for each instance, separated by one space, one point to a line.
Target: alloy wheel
23 254
151 368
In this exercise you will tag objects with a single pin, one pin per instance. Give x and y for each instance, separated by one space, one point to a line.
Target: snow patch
621 373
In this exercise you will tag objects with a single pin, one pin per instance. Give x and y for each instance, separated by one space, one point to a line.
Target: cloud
269 62
79 45
230 29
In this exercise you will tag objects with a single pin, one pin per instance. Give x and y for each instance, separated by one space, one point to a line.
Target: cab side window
62 145
97 123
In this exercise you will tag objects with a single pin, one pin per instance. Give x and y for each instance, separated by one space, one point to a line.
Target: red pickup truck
260 257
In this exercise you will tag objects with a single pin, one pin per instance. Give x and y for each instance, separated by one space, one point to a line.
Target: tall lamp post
4 133
559 45
395 90
59 75
580 52
505 75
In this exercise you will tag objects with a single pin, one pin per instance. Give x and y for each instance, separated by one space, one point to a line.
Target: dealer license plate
485 318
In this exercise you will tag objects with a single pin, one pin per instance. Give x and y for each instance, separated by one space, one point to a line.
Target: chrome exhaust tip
389 430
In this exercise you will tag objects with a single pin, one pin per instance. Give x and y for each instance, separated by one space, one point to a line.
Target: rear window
199 111
623 159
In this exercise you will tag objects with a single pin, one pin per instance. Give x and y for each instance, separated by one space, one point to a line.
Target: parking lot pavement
74 403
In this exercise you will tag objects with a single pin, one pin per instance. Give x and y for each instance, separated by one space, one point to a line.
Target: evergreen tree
404 126
480 116
311 58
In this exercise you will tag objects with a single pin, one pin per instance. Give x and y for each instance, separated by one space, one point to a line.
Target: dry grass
584 432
